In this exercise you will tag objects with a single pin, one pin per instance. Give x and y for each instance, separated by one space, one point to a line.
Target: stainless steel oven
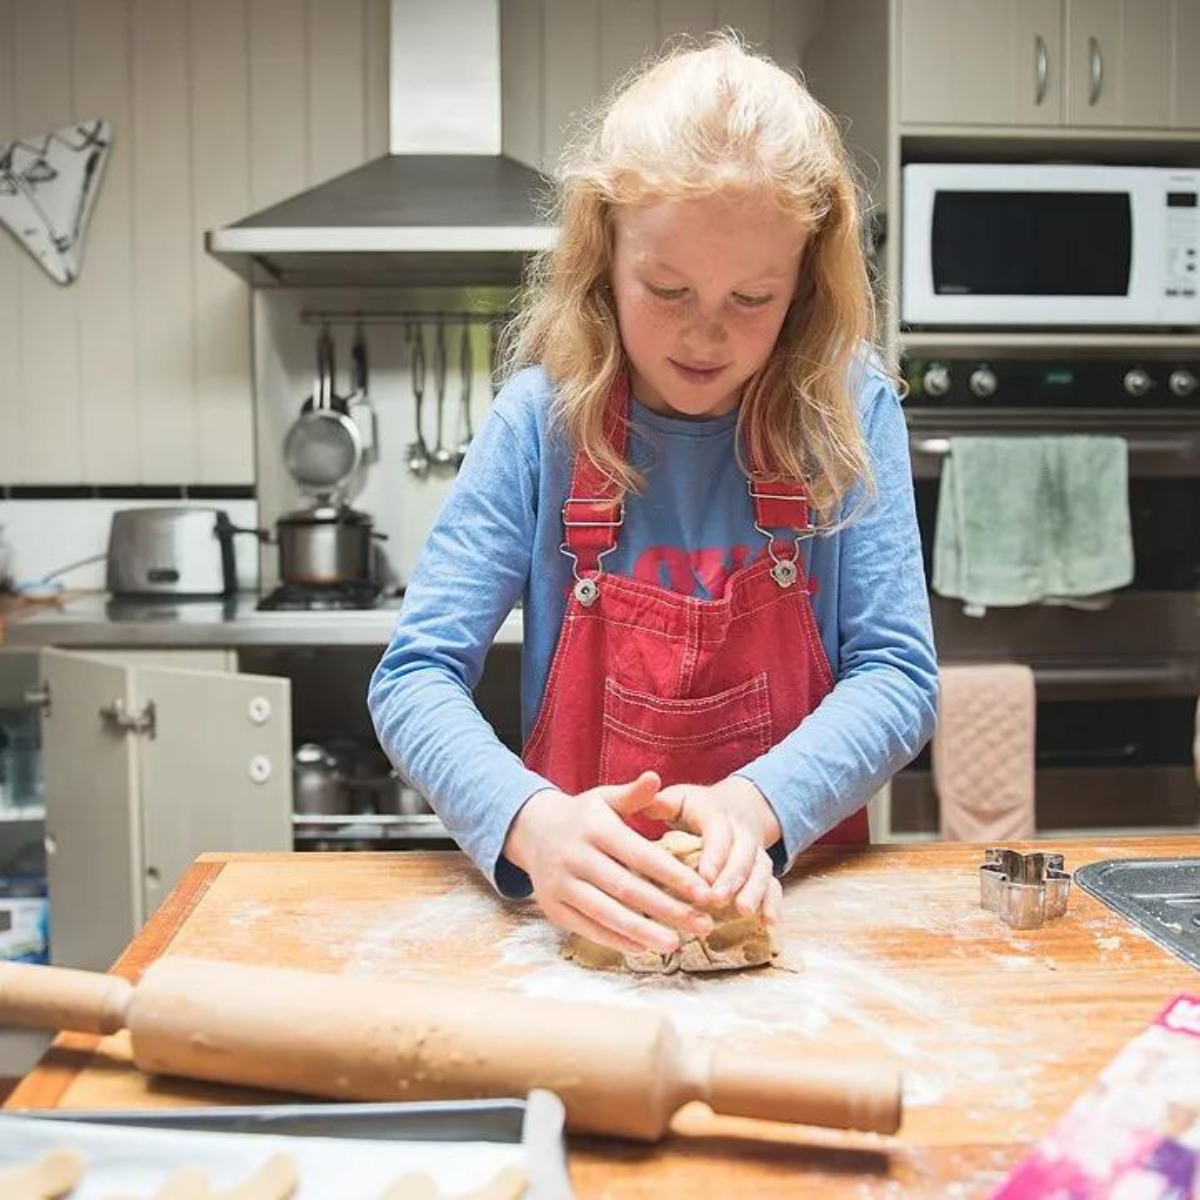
1117 686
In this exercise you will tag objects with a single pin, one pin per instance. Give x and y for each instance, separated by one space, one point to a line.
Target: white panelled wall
140 373
560 56
143 371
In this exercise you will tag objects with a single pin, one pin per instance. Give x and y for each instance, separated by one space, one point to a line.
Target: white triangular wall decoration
47 188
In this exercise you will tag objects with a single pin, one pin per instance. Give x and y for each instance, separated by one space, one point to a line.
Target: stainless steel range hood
445 206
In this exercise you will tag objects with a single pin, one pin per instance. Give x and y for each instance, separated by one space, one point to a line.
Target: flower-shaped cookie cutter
1023 890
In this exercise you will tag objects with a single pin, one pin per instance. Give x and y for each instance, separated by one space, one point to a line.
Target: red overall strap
594 508
778 503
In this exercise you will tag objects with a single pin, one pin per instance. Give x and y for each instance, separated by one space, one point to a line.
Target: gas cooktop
297 597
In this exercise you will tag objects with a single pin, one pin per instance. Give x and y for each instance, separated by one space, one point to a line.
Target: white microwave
996 245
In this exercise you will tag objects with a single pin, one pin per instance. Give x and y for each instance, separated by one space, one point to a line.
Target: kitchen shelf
17 816
366 827
987 143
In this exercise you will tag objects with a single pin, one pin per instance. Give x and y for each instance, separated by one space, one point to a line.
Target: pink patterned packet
1135 1133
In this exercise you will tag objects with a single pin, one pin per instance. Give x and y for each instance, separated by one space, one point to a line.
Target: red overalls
646 679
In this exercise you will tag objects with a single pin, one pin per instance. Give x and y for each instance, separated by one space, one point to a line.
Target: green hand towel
1021 520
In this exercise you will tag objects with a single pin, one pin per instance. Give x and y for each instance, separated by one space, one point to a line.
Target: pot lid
326 514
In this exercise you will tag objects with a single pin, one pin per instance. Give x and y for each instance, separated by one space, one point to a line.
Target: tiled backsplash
46 534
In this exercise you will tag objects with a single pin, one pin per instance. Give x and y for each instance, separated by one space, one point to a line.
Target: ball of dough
736 942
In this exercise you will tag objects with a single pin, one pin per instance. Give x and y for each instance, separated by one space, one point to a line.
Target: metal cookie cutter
1024 890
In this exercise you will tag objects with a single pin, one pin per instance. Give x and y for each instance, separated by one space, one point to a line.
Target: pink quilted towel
983 752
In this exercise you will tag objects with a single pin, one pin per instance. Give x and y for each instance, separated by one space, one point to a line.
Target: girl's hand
736 823
595 876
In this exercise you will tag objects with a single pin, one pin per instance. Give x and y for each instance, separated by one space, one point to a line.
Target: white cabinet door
980 62
93 836
216 774
1118 63
1185 78
146 767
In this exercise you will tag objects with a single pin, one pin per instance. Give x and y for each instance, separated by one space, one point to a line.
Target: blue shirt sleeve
470 574
883 707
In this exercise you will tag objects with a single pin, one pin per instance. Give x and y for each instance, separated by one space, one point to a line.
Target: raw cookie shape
736 942
510 1183
52 1175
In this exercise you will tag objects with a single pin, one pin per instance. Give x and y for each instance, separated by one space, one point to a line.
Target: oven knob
1138 382
983 381
936 381
1182 383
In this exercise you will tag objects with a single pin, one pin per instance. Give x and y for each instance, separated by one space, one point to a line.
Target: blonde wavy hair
696 122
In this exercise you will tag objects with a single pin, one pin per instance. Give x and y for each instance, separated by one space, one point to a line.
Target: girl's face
702 287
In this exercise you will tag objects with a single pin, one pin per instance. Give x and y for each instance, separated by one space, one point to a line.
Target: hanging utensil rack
421 458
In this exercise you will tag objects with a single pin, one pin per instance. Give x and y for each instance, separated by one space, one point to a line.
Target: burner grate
298 597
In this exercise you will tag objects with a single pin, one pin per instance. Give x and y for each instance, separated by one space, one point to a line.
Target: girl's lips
696 374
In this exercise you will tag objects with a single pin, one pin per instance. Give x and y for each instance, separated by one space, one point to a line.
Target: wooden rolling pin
618 1071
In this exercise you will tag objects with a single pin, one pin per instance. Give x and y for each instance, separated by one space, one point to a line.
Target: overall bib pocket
697 740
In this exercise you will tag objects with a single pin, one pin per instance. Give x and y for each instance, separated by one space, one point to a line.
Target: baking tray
463 1143
1161 896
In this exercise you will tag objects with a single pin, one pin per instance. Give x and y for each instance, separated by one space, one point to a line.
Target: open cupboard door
146 767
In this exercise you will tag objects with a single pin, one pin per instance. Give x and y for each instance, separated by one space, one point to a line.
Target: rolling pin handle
830 1094
54 998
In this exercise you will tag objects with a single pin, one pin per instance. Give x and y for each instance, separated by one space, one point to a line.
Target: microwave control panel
1183 243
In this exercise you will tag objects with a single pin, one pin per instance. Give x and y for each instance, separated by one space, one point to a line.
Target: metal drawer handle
1097 71
1041 68
119 716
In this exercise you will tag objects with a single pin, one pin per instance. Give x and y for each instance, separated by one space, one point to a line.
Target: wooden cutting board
995 1030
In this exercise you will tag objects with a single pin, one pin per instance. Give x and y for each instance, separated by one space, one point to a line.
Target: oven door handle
939 447
1106 676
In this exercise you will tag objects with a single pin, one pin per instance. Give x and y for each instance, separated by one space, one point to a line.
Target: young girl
699 485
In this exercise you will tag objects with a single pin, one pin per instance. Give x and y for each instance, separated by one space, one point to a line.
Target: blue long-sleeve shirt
497 540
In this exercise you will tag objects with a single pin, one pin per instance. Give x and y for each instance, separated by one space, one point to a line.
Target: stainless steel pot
319 784
326 544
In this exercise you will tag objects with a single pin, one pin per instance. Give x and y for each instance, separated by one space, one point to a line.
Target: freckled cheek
646 329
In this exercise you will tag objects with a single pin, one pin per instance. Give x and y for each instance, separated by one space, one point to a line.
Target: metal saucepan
324 446
326 544
319 782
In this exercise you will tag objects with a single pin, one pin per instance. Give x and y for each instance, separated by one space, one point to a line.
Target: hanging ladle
418 452
442 455
466 368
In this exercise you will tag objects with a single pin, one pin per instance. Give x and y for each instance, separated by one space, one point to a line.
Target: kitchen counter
996 1030
93 620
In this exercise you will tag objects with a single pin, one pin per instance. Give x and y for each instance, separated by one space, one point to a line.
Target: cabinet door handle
1097 81
1041 68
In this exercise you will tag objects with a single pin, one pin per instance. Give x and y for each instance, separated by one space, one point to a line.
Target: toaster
171 552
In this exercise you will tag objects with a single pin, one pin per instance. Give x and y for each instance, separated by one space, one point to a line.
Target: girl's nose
708 329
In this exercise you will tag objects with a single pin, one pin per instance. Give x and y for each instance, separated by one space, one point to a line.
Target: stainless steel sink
1161 896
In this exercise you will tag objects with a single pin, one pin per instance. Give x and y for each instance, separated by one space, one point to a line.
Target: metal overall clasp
587 587
785 571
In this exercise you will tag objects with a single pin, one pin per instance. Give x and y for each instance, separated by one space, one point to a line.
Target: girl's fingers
575 921
717 830
737 868
773 905
594 904
649 859
752 897
625 799
641 896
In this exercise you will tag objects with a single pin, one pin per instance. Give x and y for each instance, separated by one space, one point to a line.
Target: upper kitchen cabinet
980 62
1067 64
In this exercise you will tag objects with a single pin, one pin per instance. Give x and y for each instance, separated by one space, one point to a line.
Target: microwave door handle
1097 71
1041 69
